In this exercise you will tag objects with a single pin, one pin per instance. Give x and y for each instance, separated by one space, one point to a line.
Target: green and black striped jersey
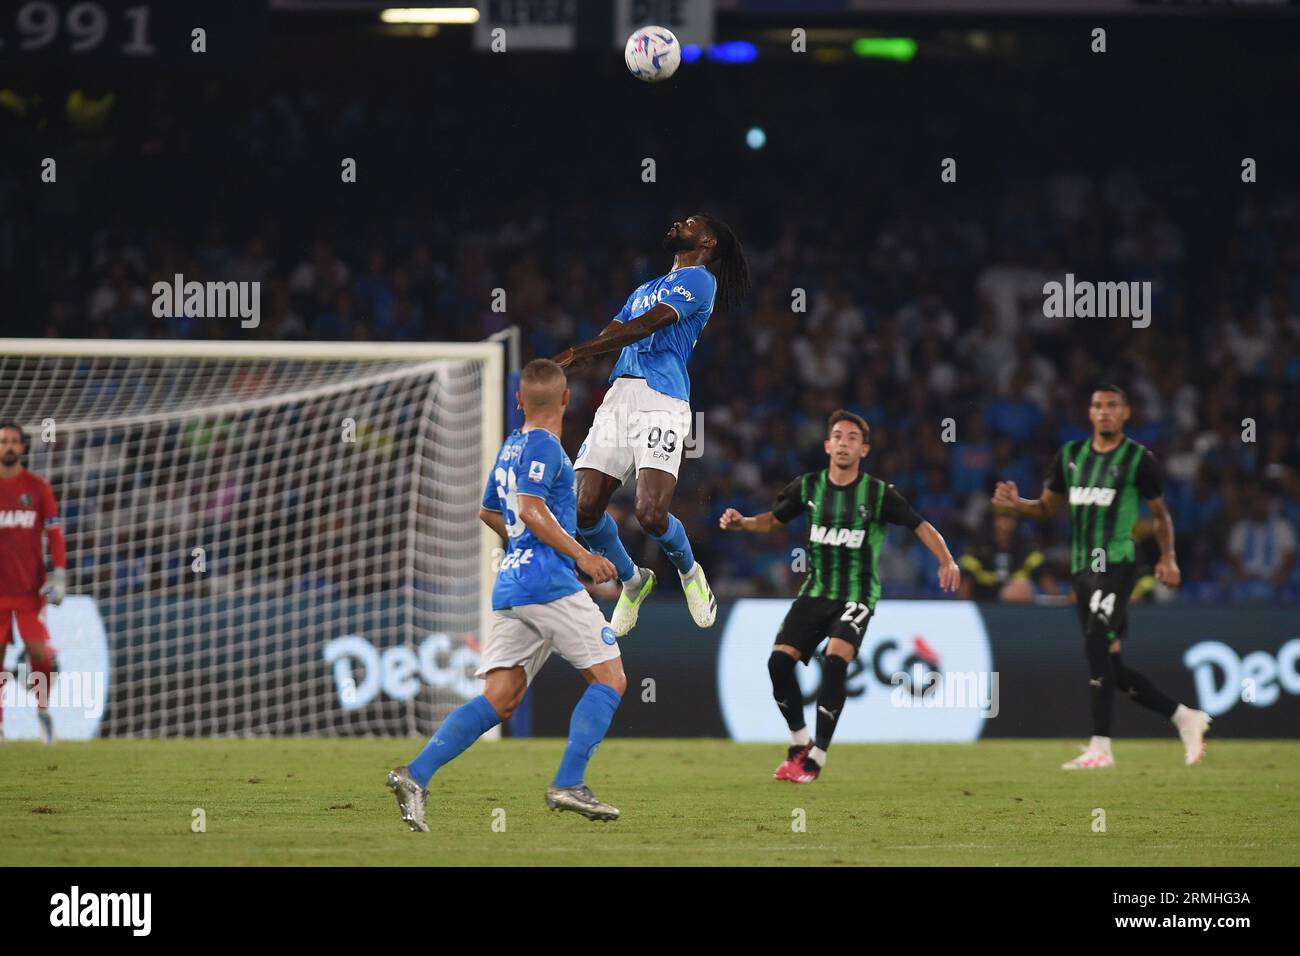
1103 489
846 528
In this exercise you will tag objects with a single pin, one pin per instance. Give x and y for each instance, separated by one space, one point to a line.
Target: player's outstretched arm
733 520
949 572
1043 508
621 334
534 513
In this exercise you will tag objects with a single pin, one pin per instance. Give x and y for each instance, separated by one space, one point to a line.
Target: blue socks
603 540
463 726
675 546
591 718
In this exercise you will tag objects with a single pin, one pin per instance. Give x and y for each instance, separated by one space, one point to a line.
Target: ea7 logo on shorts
1092 496
846 537
535 470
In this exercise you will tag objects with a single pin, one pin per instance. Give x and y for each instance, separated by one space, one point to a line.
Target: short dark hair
1112 387
844 415
22 434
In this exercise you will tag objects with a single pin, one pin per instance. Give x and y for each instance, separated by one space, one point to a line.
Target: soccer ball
652 54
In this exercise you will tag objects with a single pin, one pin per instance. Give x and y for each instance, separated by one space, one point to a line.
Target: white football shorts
634 428
525 636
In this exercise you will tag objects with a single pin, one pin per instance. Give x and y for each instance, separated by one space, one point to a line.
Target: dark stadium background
522 171
1121 166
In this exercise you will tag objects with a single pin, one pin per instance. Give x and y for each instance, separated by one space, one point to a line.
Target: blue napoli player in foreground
538 605
643 423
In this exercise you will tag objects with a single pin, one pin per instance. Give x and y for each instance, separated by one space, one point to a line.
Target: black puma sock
785 689
830 702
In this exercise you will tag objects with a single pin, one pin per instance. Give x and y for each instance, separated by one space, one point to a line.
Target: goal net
272 538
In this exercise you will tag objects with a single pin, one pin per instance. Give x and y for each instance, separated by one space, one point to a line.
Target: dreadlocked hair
728 264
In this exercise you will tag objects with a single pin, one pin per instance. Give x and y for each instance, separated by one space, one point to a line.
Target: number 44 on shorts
1103 603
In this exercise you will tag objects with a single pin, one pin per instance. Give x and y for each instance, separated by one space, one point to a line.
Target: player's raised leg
597 531
587 728
830 704
804 627
515 651
1192 724
503 690
654 494
789 698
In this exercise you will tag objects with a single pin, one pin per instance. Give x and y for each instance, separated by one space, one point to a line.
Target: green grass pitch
707 803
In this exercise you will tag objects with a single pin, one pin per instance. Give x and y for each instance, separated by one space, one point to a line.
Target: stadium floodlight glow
756 138
901 49
429 15
737 51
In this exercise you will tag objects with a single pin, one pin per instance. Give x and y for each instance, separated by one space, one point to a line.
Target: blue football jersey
661 358
532 463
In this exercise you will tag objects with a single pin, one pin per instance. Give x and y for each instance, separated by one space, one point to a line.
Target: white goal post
278 537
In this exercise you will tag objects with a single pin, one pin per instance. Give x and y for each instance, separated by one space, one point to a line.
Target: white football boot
699 597
629 605
1091 759
1192 726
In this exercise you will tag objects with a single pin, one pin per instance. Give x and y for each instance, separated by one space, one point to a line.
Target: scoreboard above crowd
65 33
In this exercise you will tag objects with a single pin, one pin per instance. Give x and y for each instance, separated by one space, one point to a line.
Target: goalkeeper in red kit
28 514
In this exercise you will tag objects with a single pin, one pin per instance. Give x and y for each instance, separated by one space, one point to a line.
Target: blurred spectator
1261 548
920 307
1000 564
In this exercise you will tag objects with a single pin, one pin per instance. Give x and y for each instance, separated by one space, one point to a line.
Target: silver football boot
411 798
581 800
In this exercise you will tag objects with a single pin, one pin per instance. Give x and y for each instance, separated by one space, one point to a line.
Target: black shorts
812 620
1101 599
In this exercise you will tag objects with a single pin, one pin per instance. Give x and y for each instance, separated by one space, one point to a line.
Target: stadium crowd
920 310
